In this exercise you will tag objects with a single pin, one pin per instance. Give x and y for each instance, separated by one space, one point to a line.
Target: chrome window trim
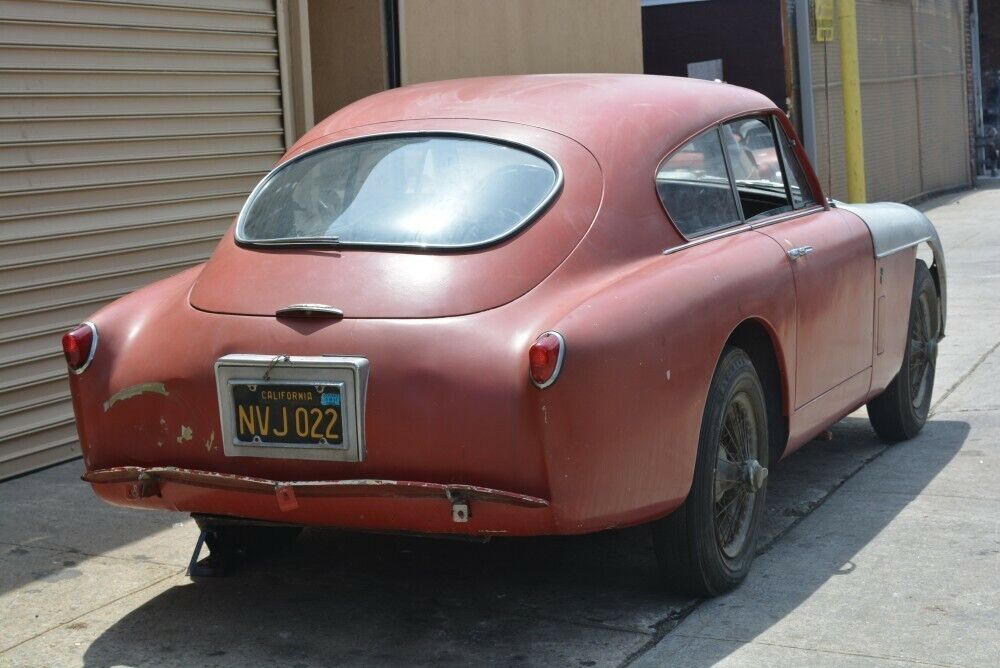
93 348
526 222
559 360
787 215
729 171
697 241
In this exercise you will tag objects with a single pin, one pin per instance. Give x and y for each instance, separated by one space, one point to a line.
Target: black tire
696 546
900 412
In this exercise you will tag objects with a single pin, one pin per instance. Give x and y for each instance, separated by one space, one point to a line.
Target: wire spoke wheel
737 474
901 410
707 545
922 351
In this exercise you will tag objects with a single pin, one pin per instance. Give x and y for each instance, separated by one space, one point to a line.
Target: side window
694 187
756 167
802 194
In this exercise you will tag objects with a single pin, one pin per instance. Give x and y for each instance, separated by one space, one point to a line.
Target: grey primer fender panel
897 226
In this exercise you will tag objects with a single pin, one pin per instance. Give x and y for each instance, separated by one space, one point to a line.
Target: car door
830 257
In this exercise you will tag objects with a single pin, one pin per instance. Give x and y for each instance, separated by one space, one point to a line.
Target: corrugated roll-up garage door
913 99
130 134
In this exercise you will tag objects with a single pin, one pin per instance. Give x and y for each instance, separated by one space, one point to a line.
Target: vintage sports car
517 306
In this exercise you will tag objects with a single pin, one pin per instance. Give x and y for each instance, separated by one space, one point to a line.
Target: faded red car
516 306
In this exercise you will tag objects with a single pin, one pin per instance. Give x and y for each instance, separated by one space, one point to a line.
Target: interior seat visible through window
756 167
694 186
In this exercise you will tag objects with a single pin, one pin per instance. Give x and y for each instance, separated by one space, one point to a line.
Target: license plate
292 407
288 414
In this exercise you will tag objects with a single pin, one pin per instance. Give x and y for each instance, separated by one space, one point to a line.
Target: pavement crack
662 629
595 625
963 378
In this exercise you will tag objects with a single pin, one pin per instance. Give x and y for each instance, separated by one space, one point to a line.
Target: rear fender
622 422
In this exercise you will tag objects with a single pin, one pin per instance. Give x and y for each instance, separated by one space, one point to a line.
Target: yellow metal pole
851 78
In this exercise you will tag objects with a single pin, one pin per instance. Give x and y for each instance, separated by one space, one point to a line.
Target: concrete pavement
870 556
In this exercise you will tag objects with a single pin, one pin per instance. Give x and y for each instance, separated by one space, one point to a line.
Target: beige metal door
130 133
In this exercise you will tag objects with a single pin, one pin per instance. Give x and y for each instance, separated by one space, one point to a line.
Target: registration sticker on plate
288 414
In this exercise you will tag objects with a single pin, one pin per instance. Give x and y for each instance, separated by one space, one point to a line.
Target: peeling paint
135 391
186 434
210 441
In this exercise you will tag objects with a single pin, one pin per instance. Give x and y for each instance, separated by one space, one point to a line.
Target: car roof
596 110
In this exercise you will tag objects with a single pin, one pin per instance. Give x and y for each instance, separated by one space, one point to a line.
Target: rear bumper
383 505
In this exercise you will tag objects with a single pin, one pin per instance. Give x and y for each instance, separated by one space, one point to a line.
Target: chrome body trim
93 348
559 360
350 374
895 227
530 218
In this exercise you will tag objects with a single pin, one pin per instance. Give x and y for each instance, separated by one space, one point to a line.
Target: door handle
801 251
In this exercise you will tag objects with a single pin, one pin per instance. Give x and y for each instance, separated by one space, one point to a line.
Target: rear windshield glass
421 191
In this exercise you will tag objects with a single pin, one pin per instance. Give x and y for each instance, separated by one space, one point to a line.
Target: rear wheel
899 413
706 546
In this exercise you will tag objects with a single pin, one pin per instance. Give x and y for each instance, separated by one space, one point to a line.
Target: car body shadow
367 599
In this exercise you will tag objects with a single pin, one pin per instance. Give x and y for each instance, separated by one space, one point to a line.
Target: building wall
914 101
447 39
348 49
746 36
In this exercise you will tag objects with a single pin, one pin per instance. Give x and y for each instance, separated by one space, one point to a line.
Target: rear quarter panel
621 424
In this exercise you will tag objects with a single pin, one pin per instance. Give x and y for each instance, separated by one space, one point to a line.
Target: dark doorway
691 38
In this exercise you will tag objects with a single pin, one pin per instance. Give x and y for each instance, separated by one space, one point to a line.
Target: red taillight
545 358
79 346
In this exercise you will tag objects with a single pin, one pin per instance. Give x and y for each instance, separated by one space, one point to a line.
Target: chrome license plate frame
348 374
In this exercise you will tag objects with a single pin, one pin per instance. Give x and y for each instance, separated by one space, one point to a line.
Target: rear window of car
424 191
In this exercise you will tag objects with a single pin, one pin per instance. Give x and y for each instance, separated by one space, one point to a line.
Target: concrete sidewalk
870 556
901 566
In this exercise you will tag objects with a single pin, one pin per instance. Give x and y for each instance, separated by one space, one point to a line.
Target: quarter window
694 186
756 167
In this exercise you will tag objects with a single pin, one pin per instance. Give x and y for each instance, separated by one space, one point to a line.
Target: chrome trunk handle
309 311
